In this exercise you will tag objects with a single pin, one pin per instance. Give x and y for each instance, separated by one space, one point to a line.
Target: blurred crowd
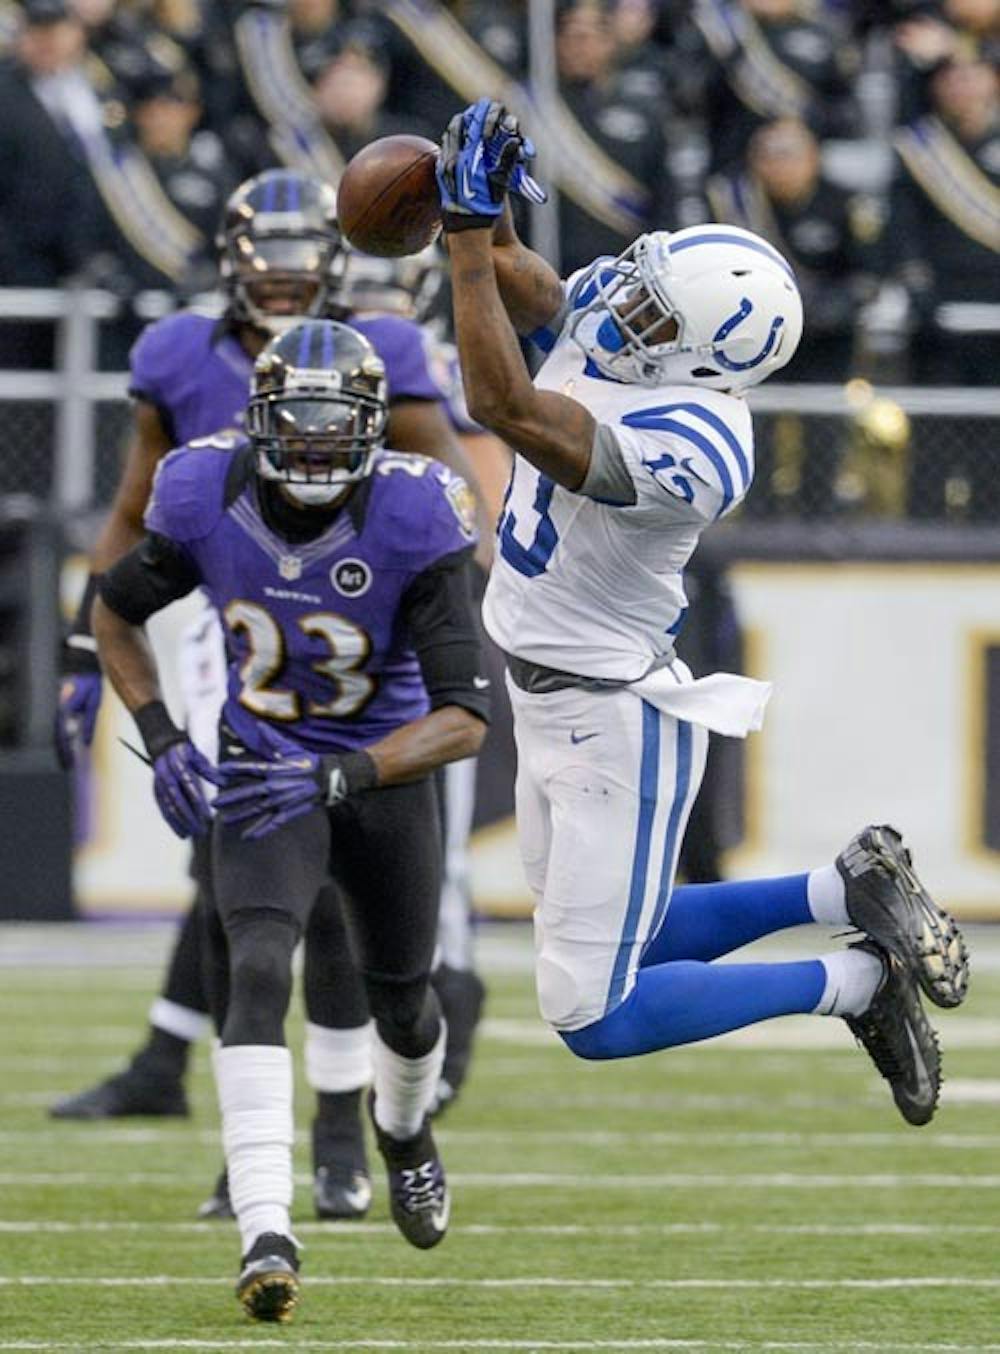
861 136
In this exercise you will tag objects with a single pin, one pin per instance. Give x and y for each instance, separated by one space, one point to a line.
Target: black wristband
79 655
453 222
157 730
81 622
345 773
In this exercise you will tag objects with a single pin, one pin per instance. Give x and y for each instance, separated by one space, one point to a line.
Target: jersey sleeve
686 459
446 508
186 500
153 359
400 344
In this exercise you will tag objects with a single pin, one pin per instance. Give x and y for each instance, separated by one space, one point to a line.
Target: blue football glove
76 714
178 772
266 793
483 157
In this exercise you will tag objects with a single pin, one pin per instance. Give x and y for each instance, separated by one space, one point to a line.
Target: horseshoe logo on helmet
727 327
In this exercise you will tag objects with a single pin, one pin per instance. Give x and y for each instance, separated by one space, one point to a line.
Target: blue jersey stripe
653 419
682 785
724 431
649 769
723 237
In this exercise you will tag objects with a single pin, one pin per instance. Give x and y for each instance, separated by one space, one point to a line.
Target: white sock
254 1082
338 1060
404 1087
827 896
180 1021
852 979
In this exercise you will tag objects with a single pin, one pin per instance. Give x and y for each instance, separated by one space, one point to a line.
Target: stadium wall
886 707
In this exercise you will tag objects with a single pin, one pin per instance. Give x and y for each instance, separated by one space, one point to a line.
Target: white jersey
596 589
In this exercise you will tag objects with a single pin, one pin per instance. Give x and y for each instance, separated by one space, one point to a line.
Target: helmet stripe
305 342
723 237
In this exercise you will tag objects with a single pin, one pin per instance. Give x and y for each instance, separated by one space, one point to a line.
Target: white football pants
605 784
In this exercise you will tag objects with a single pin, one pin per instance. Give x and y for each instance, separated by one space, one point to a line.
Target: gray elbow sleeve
607 478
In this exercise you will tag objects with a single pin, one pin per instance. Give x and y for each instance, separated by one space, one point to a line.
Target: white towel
723 702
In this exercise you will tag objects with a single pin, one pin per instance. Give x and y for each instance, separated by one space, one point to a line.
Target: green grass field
756 1193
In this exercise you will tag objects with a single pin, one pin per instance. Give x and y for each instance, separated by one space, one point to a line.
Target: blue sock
680 1002
706 920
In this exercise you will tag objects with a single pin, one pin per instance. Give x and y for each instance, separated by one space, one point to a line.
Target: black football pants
382 850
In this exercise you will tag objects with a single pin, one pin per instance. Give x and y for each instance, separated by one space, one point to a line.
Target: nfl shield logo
290 567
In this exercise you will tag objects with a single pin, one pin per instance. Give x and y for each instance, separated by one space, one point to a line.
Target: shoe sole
939 959
55 1112
270 1297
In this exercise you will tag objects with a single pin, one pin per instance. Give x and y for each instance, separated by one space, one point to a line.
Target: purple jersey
197 373
315 635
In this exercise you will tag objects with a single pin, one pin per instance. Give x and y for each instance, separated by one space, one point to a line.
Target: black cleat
341 1194
218 1207
268 1286
132 1092
461 994
887 901
897 1036
418 1192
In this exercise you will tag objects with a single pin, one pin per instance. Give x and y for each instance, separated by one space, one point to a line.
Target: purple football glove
265 793
178 772
76 714
268 792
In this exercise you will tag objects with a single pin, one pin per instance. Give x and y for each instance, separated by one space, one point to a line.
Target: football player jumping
340 571
633 439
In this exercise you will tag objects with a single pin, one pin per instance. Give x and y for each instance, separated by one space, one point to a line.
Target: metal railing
823 451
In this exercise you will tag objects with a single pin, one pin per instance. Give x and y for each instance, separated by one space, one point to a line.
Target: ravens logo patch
463 505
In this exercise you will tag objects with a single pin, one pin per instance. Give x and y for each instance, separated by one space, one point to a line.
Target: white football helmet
711 306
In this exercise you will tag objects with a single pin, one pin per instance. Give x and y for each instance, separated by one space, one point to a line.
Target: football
387 201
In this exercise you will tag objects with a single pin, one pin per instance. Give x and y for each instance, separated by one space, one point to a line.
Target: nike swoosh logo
466 184
480 683
359 1198
923 1079
441 1215
582 737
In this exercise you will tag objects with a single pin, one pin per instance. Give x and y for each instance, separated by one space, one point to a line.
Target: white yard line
563 1180
526 1281
790 1035
118 1135
531 1346
347 1231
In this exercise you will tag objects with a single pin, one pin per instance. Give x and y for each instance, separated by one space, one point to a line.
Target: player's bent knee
406 1013
558 993
260 972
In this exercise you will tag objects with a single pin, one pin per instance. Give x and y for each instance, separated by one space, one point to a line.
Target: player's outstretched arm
552 431
530 288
